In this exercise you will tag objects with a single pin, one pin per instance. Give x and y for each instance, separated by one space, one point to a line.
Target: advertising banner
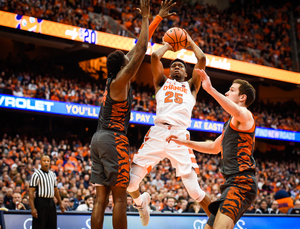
164 221
137 117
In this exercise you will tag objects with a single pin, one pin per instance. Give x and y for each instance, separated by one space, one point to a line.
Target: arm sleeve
154 25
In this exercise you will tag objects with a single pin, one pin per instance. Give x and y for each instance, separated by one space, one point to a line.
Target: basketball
176 37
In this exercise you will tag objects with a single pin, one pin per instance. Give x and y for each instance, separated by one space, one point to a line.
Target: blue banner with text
89 111
174 221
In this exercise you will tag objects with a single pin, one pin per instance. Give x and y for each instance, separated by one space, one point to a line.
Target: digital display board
137 117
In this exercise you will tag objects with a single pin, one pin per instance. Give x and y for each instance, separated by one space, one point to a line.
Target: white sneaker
144 209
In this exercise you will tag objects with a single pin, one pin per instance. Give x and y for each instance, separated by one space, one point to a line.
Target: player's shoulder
249 116
248 112
190 84
162 81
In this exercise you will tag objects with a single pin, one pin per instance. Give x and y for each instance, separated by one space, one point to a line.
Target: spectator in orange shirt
60 160
55 97
54 167
73 159
69 167
8 160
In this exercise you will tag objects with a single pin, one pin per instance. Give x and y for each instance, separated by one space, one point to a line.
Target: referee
43 209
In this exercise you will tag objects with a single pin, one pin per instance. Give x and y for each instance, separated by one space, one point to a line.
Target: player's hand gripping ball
176 37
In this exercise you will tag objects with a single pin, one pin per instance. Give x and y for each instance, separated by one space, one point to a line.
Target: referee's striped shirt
44 182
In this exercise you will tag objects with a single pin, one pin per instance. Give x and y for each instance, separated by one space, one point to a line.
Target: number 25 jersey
175 103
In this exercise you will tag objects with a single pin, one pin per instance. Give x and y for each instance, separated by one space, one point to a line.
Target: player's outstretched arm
195 81
203 147
165 7
129 71
157 67
164 12
241 114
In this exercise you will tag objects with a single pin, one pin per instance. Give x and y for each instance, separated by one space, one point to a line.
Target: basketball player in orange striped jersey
236 145
175 99
109 145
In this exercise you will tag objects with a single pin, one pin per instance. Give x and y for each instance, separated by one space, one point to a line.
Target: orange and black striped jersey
114 115
237 149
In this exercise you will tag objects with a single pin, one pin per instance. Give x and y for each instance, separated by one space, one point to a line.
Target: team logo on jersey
175 88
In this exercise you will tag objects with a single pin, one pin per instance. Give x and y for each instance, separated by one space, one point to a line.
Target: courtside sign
157 220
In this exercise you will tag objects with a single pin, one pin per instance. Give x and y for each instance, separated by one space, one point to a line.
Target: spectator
86 182
65 203
8 198
296 208
32 86
69 166
109 207
263 207
18 92
269 200
130 207
297 203
157 205
266 187
285 202
2 85
16 203
170 206
195 207
72 205
25 201
152 207
274 208
2 205
54 152
158 182
88 204
183 205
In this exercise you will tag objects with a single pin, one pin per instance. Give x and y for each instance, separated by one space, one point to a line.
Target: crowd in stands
71 162
22 84
250 31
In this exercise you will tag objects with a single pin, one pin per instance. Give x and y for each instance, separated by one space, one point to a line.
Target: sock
138 201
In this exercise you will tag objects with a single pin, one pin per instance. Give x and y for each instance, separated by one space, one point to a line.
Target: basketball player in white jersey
175 99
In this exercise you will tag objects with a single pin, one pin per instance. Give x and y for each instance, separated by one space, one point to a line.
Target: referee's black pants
46 209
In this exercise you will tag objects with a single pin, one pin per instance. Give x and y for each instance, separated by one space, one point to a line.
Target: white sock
138 201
